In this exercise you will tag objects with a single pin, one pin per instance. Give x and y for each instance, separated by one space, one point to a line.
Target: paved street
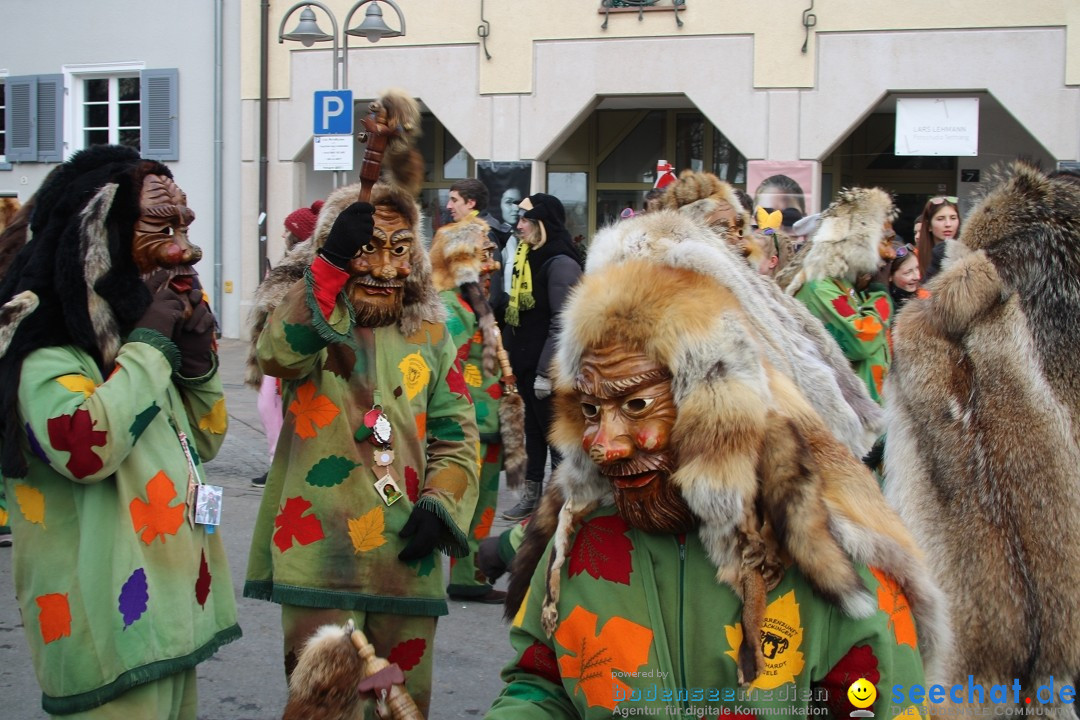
245 681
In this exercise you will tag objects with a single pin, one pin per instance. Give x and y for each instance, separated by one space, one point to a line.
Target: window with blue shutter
50 113
19 118
160 115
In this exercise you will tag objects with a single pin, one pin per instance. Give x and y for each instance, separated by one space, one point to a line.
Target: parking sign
333 112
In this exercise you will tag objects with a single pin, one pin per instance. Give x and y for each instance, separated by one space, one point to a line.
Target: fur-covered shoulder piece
700 194
457 251
846 243
770 427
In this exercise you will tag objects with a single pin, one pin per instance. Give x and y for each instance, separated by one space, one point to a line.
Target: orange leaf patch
55 617
621 645
483 528
312 411
153 517
893 601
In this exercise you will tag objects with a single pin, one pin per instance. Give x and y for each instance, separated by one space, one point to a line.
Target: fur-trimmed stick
397 702
511 418
391 127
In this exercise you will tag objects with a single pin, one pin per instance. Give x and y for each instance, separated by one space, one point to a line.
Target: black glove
424 527
352 229
166 308
488 559
195 338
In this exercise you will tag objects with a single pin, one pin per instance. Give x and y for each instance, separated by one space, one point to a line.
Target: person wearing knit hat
301 223
546 267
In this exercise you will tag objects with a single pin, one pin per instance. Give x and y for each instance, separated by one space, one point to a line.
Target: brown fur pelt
538 533
768 457
325 683
14 236
8 207
847 242
512 431
984 432
403 166
698 195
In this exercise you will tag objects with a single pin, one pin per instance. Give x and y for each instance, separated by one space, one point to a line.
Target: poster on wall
777 184
508 184
937 126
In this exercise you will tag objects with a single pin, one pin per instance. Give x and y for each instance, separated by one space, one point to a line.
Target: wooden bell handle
508 377
400 703
378 130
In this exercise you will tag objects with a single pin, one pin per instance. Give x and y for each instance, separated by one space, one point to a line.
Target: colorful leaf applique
202 585
302 339
292 524
519 616
495 391
154 517
446 428
408 654
842 306
143 420
884 308
78 384
31 503
366 531
454 325
4 519
859 662
621 645
35 445
75 433
54 618
539 659
483 528
603 550
781 638
455 382
867 328
330 471
472 375
312 411
421 424
412 483
415 374
134 597
340 360
425 565
893 601
217 420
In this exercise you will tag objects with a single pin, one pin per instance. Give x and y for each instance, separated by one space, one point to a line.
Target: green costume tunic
116 588
644 627
859 321
486 390
324 538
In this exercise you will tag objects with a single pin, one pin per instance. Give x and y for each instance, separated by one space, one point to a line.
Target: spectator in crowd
470 196
938 223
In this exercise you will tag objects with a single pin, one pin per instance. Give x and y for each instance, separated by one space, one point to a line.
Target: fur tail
538 533
12 313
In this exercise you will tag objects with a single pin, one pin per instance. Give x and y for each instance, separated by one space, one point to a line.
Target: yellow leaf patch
781 637
366 531
78 383
216 420
31 503
415 374
472 375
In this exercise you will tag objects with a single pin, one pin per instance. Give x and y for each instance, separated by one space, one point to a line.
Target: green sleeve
85 427
857 321
204 402
534 686
460 322
451 480
291 344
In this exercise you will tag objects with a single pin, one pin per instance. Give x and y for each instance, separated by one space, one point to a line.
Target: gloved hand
166 308
488 560
424 527
353 227
541 387
195 337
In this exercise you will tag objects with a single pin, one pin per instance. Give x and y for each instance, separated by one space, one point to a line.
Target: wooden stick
398 700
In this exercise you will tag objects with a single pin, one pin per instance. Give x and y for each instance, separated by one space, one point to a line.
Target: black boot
527 504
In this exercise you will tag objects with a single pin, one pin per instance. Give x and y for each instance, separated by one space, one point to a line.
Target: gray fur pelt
984 433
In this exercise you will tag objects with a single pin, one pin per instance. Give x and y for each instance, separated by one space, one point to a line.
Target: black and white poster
508 184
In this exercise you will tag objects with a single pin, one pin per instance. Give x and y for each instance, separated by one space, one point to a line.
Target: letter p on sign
333 112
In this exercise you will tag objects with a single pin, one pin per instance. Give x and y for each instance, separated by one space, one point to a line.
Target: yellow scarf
521 297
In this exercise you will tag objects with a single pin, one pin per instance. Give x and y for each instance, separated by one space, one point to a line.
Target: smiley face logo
862 693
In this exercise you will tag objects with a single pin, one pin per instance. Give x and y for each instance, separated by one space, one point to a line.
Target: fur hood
771 421
699 194
421 302
456 253
847 242
984 431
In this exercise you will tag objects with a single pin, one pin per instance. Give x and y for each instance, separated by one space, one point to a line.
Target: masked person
375 471
463 264
710 528
546 266
109 405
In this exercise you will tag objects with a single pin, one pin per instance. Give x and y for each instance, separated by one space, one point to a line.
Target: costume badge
384 457
387 488
208 506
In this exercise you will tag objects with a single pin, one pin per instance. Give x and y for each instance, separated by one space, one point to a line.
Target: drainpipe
264 91
219 265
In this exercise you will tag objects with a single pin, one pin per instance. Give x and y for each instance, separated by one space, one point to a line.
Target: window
125 105
33 118
111 112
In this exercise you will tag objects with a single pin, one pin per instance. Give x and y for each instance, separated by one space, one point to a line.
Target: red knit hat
301 223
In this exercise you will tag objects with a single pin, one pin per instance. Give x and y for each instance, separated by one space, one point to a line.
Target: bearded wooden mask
161 232
629 410
378 271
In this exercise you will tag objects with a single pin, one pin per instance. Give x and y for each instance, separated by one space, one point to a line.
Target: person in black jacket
470 196
546 266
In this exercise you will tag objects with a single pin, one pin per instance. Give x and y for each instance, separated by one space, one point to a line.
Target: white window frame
74 75
3 81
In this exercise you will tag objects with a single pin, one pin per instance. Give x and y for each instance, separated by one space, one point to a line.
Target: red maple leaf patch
495 391
602 549
455 381
843 307
883 307
539 659
292 524
408 654
202 585
75 433
860 662
412 484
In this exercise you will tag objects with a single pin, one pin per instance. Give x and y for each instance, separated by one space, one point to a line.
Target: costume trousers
465 578
408 640
174 697
537 423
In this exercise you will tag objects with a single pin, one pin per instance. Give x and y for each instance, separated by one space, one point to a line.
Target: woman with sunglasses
904 276
939 221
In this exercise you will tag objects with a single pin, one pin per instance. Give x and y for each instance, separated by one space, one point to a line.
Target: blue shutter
50 118
160 137
19 118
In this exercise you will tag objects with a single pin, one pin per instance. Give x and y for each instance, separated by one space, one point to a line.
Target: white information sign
937 126
333 152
